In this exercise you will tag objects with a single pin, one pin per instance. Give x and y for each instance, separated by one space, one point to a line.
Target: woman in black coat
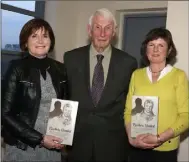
30 84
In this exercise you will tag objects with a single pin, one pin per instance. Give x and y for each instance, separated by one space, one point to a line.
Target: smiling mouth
40 47
155 55
102 40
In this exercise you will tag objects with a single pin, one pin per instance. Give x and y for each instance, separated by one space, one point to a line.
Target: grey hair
105 13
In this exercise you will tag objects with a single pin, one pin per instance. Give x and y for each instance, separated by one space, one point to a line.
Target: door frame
136 15
120 14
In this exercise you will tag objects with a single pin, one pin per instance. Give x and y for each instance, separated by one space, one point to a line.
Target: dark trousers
140 155
91 160
66 159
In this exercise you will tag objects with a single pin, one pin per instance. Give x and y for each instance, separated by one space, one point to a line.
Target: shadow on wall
184 136
52 54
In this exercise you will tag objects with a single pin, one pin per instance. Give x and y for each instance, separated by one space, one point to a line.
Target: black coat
99 131
21 100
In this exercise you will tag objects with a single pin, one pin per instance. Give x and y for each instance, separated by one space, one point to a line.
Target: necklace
155 71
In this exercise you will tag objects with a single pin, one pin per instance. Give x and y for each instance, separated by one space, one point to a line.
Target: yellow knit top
173 93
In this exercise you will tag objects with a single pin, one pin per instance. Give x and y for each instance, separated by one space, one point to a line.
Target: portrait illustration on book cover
144 115
62 117
67 110
57 111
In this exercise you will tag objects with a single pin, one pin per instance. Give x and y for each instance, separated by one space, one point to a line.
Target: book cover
62 118
144 115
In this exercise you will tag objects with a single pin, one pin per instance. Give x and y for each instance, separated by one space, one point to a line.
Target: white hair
105 13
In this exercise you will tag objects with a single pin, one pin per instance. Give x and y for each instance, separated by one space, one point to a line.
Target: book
62 118
144 115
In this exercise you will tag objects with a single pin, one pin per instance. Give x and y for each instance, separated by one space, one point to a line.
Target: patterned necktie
98 80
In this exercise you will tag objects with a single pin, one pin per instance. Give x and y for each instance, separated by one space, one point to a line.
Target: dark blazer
21 99
99 131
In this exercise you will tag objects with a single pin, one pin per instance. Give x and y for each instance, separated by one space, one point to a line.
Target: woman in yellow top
170 85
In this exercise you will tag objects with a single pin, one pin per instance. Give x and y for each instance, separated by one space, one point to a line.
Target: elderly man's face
101 32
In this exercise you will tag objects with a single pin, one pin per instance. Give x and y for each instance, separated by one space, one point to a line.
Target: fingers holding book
52 142
140 142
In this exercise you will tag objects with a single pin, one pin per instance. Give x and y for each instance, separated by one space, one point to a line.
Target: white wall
177 23
69 19
63 17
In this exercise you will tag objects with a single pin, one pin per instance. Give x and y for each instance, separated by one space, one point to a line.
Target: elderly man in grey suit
98 77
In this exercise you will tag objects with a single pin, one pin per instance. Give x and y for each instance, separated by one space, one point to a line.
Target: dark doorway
136 26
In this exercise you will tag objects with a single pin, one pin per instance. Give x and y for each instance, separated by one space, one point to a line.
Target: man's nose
102 33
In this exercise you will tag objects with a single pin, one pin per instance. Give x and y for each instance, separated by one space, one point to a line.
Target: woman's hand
52 142
151 139
139 142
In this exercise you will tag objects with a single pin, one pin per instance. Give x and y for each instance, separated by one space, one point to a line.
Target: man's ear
89 30
115 31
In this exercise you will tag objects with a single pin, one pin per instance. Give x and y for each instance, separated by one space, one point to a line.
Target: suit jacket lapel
87 72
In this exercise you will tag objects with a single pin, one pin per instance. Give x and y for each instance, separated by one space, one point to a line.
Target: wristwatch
159 141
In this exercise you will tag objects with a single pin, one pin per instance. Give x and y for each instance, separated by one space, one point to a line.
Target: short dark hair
154 34
32 26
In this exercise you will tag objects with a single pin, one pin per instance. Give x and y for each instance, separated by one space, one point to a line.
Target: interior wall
177 23
63 17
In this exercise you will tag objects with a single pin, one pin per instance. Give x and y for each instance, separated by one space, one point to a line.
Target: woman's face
157 51
39 43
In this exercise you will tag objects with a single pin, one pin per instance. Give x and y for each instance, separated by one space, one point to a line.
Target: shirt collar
166 70
105 53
